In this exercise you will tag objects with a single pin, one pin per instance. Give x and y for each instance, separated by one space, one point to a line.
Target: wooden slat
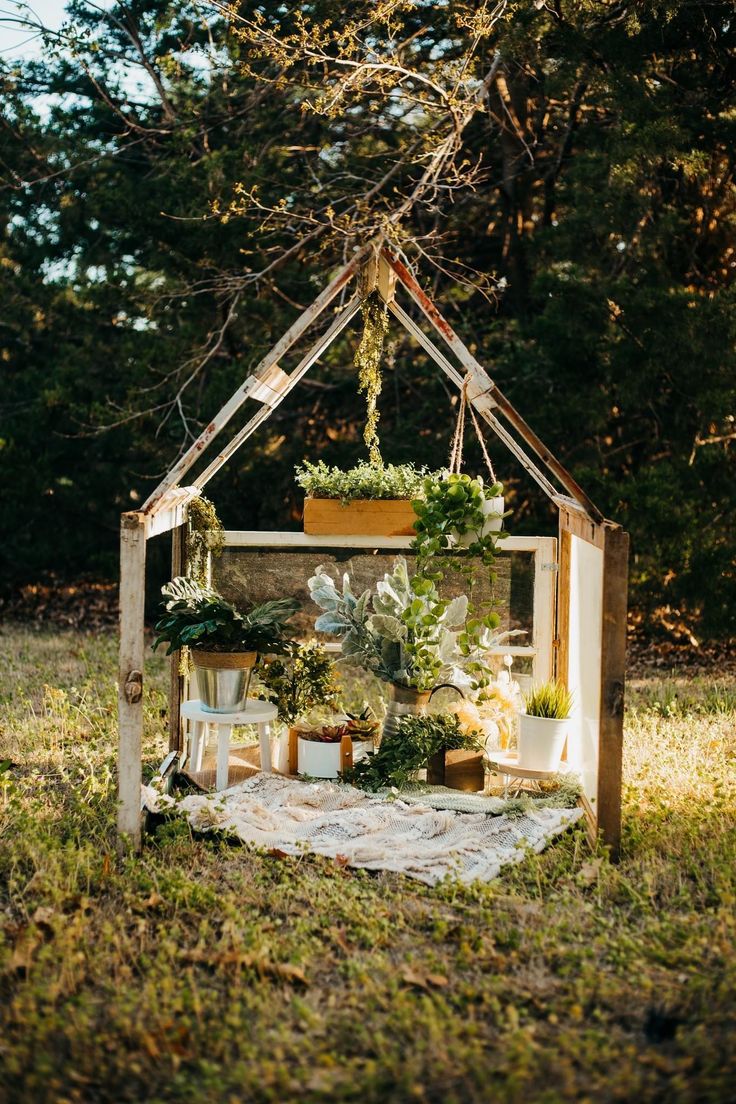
176 680
369 517
254 538
562 637
130 673
545 586
613 677
323 342
457 378
580 526
485 394
282 346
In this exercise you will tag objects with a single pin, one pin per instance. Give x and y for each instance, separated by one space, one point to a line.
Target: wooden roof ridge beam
486 394
223 416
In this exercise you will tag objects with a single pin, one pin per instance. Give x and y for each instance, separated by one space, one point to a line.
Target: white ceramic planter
541 742
320 760
493 511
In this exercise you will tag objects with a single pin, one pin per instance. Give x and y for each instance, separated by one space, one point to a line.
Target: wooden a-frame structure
586 628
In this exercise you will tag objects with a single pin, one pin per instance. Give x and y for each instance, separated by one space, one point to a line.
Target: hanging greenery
205 534
368 362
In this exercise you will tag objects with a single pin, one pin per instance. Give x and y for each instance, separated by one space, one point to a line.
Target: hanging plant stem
205 535
368 362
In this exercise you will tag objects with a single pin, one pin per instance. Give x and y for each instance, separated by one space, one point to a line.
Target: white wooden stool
258 713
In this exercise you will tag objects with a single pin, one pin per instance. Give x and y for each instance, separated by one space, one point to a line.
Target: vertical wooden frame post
176 679
613 677
130 673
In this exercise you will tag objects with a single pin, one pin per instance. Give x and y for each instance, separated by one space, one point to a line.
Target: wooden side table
258 713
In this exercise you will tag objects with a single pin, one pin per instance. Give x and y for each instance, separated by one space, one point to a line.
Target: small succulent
362 726
328 734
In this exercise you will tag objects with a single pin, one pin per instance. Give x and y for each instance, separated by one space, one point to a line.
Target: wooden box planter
371 517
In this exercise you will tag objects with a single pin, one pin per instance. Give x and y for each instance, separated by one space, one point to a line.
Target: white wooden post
545 588
130 673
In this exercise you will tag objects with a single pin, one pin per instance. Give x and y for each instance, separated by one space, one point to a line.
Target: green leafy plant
452 506
368 362
198 617
365 481
300 680
205 536
404 632
551 699
416 740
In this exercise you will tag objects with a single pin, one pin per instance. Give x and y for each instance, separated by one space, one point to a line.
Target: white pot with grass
543 727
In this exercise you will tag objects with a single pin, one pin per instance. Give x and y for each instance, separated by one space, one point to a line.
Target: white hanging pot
541 742
493 512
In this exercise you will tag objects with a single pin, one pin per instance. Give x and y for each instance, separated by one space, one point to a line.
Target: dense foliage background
142 277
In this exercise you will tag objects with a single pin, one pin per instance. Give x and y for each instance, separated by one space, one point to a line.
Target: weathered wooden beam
457 378
321 344
613 679
221 419
483 391
176 679
130 673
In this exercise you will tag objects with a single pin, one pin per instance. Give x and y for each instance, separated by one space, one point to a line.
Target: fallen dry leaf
419 979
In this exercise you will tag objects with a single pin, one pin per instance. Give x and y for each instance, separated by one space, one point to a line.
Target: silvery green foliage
403 632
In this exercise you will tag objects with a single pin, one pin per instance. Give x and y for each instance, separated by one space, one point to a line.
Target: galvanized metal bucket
223 679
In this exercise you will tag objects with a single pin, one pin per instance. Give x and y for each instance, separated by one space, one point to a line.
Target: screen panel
246 575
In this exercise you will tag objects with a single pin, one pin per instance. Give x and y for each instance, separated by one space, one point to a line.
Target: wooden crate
386 517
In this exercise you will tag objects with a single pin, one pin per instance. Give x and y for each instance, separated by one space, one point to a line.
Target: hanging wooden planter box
375 517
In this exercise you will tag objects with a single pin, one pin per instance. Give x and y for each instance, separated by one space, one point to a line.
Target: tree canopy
178 180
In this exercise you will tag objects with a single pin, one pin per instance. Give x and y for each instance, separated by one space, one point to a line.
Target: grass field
200 971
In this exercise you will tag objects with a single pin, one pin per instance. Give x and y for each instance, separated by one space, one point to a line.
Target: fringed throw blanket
378 833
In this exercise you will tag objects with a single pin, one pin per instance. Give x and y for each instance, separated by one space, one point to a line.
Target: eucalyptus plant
404 632
449 507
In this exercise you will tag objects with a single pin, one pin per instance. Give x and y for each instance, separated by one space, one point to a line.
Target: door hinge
549 567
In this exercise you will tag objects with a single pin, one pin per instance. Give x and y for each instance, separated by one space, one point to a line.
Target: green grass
200 971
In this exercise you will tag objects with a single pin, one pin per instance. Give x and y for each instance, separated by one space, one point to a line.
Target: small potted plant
543 726
373 499
297 682
224 642
329 750
419 743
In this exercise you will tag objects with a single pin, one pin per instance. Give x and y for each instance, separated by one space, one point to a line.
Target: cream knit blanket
365 830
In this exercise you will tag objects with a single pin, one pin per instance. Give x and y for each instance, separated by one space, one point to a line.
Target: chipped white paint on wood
545 593
251 538
323 342
233 404
130 673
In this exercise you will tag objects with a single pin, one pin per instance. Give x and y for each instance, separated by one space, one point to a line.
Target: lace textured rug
365 830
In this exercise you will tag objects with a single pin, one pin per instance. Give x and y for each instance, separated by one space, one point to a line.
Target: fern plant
198 617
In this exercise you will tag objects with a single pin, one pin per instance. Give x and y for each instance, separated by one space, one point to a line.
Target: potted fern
223 641
543 726
373 499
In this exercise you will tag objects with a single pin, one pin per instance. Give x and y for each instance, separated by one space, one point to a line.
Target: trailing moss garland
368 362
205 534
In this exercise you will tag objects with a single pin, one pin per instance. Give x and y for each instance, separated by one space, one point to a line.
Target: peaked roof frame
376 265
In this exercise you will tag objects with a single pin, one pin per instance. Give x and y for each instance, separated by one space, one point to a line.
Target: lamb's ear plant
551 700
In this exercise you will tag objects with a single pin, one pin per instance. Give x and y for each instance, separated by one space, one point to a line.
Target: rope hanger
456 448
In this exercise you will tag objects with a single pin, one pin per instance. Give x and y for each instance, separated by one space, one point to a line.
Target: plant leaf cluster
364 481
414 743
301 679
368 362
551 699
199 617
404 632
